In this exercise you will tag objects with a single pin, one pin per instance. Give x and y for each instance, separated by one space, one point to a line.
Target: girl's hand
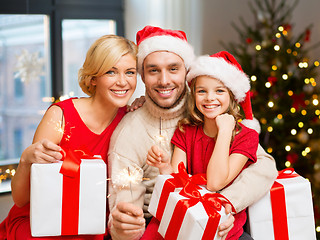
137 103
225 122
43 151
157 157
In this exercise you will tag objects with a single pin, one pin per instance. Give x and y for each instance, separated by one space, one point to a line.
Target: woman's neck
96 114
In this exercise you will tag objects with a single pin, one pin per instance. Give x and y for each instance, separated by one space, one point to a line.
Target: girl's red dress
76 136
198 148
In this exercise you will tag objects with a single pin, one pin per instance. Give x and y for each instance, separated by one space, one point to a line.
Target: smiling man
164 57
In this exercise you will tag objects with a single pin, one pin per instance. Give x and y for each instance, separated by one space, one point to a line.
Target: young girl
210 139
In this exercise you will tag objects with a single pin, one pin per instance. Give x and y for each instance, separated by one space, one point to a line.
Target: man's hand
137 103
226 226
127 222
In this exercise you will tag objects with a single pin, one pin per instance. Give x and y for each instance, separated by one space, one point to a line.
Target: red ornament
287 27
272 80
307 36
292 158
298 101
249 40
316 212
253 94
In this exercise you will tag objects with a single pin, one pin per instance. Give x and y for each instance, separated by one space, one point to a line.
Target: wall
171 14
207 22
219 14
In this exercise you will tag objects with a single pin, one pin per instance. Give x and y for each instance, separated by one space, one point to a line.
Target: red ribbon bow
71 189
287 173
179 179
212 203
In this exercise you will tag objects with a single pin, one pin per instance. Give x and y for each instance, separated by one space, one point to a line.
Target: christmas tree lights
285 96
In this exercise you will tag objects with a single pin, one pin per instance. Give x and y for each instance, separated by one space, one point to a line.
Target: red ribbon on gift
278 205
212 203
71 189
179 179
287 173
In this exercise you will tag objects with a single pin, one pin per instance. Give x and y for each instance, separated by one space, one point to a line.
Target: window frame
58 10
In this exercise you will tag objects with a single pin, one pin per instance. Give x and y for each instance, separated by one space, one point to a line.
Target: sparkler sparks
128 177
161 138
58 126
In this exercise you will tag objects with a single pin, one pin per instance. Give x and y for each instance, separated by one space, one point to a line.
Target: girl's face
211 96
118 84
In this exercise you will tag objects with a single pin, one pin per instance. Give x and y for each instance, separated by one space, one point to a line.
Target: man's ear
142 76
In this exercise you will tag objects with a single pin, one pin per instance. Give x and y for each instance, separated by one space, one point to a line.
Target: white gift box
156 194
299 212
46 198
170 183
194 222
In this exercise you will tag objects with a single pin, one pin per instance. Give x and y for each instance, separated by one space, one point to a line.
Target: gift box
286 212
71 203
165 184
194 214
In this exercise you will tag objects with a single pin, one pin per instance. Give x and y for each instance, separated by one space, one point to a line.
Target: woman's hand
137 103
43 151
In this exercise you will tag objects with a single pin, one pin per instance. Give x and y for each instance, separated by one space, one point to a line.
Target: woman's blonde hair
103 54
195 117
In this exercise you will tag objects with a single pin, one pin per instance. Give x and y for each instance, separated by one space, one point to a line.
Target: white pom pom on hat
152 39
224 67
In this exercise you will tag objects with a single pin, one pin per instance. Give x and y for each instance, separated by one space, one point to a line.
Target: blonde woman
108 76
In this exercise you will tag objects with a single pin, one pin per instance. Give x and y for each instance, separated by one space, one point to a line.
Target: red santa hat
224 67
151 39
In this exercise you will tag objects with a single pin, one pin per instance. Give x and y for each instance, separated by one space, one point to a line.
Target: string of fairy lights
6 173
285 77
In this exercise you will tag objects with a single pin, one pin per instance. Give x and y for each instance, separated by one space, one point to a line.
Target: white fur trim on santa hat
253 124
232 77
165 43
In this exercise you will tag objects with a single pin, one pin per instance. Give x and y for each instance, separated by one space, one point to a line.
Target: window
18 87
25 80
77 37
17 140
42 46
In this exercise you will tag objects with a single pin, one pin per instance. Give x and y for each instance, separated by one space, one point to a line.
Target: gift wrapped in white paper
46 198
156 194
299 212
194 222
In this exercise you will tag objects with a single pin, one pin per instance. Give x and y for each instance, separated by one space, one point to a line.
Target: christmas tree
285 96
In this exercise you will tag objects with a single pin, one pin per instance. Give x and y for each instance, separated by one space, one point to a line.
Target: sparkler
130 183
58 126
160 138
128 177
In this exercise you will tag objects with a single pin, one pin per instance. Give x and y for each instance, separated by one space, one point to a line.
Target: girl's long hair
195 117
